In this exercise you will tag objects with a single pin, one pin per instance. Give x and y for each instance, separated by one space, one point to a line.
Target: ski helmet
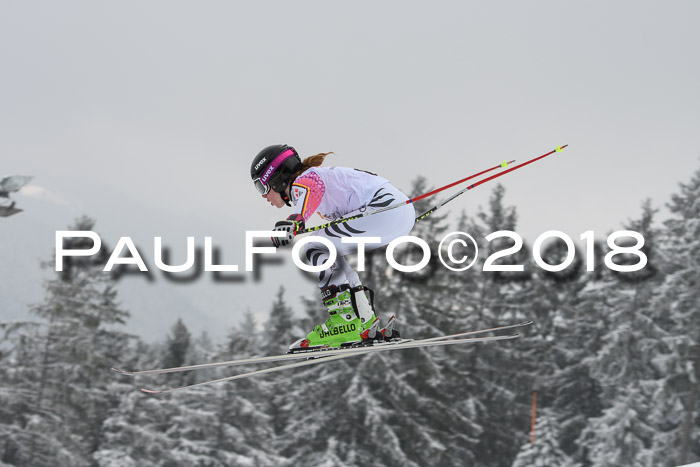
273 168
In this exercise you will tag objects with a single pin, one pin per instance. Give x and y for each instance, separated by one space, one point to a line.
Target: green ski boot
344 327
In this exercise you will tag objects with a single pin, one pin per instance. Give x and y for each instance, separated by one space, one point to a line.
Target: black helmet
273 168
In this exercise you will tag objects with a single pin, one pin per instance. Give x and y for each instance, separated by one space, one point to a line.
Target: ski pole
435 208
504 164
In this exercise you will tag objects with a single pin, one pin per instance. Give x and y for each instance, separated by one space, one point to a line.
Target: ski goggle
262 183
262 188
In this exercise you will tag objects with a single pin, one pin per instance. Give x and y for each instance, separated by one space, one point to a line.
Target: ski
324 359
313 353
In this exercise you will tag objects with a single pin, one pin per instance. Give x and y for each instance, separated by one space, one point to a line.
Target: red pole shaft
514 168
438 190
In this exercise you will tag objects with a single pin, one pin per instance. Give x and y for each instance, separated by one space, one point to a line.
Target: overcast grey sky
145 115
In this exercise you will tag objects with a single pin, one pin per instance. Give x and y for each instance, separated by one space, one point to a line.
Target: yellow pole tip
558 149
504 164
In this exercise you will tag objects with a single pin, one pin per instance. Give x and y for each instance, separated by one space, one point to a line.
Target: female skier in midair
282 178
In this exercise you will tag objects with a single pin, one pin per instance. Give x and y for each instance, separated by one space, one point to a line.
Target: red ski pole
435 208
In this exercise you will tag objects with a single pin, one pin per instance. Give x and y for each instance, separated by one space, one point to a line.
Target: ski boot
347 326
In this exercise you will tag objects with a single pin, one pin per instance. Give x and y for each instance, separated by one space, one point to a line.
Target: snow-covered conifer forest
616 359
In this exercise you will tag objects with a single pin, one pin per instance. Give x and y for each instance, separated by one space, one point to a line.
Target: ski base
348 353
324 353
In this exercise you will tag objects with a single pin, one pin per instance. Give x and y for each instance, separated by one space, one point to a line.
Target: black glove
291 226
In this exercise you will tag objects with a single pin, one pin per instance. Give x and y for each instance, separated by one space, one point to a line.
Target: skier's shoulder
321 174
322 171
337 176
310 176
343 172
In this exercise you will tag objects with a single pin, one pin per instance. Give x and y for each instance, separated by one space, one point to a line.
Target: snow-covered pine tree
545 451
226 423
545 354
334 416
216 425
633 338
136 433
623 434
19 370
579 327
625 363
484 299
577 393
60 381
677 308
177 346
281 329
